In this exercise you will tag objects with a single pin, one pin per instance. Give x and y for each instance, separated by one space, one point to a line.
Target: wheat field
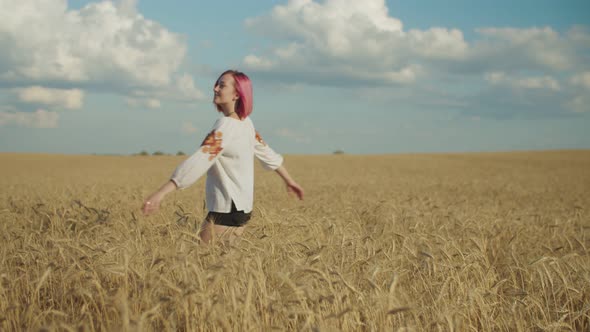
416 242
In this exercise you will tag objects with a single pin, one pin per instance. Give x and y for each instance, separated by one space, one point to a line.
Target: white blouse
227 155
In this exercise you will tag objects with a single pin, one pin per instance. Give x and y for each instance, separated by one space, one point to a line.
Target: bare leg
212 233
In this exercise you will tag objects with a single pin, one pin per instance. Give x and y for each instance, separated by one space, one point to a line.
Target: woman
227 155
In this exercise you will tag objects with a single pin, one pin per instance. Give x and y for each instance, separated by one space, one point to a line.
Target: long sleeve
190 170
227 156
267 157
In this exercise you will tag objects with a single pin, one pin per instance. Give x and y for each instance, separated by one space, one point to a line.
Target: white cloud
360 44
128 6
579 34
103 44
542 47
39 119
541 82
69 99
347 42
188 128
346 39
186 88
255 62
183 90
437 43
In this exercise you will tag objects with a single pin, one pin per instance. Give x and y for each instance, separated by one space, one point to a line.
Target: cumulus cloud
542 82
105 44
361 44
71 99
185 88
525 49
254 62
347 39
38 119
357 41
128 6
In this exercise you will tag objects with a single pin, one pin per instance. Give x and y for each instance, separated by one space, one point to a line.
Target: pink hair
243 87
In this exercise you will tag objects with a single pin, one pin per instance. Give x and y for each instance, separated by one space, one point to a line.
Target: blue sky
361 76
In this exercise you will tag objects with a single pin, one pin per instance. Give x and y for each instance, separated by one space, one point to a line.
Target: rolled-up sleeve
268 158
195 166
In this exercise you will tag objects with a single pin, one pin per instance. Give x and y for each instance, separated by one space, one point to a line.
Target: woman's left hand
152 203
295 188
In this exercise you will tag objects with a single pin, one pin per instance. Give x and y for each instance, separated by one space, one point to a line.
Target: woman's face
224 90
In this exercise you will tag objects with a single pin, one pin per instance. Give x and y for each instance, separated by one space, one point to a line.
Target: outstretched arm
271 160
191 169
292 186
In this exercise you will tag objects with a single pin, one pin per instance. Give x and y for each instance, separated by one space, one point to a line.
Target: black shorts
234 218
